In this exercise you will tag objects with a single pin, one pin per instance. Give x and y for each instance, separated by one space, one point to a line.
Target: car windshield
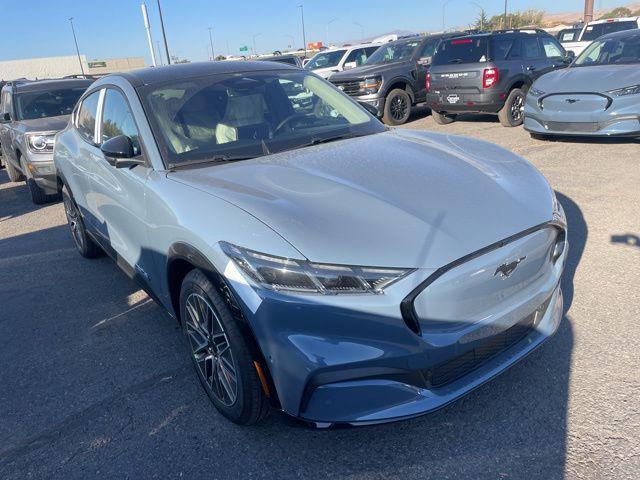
325 59
245 115
393 52
50 103
611 51
599 29
462 50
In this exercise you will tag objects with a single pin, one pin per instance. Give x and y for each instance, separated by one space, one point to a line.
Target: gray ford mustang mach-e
598 95
318 262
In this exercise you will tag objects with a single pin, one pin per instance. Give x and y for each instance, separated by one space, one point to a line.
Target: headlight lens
534 92
41 143
370 85
299 276
621 92
558 211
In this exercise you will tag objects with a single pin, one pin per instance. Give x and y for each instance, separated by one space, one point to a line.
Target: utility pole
159 53
213 57
147 27
504 26
304 36
444 6
75 40
164 35
255 51
329 23
588 11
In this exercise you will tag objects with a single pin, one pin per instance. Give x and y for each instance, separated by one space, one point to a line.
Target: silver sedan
598 95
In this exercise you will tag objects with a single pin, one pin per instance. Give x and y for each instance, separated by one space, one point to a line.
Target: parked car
31 113
598 95
568 35
594 30
490 73
315 259
294 60
333 60
392 80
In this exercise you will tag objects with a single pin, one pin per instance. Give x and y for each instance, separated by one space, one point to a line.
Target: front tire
37 194
15 175
219 352
442 118
85 245
397 107
512 113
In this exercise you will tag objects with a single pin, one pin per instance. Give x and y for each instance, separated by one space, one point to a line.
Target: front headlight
558 211
621 92
534 92
41 143
370 85
300 276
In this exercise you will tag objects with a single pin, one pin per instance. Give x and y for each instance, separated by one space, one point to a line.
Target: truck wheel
512 114
397 107
442 118
220 353
37 194
15 175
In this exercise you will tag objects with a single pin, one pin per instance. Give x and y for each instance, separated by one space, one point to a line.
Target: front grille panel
573 127
350 88
449 371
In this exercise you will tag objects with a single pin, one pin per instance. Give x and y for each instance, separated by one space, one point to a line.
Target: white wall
49 67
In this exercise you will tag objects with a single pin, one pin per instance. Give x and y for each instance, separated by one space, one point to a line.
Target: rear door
422 65
553 52
534 61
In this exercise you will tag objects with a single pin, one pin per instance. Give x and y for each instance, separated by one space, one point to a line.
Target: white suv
598 28
334 60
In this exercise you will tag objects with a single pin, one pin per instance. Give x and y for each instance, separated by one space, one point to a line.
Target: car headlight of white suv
40 143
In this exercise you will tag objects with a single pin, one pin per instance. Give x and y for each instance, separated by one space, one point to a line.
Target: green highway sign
244 48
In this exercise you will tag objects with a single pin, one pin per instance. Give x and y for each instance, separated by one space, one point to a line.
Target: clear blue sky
114 28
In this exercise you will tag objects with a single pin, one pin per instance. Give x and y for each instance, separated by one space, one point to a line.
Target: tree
482 22
617 13
221 57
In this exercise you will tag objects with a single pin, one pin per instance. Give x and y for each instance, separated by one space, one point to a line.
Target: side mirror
120 153
350 65
369 108
569 56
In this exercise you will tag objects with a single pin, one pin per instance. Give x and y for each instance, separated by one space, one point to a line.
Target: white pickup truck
597 28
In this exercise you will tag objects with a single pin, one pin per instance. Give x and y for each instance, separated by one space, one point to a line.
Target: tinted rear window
462 50
596 31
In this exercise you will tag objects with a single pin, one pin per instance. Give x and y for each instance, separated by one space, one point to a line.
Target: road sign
244 48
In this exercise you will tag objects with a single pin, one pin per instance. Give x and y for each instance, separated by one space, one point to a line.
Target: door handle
531 68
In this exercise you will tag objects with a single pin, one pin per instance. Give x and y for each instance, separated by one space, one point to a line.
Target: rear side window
503 47
531 48
462 50
86 120
591 32
117 119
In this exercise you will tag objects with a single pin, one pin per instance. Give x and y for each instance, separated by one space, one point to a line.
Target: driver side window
117 119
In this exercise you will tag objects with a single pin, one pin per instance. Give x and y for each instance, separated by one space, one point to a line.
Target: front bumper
355 360
456 101
43 171
622 126
375 101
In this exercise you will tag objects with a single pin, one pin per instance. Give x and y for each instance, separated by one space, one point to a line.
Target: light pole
504 26
75 40
164 35
293 40
329 23
213 57
159 53
147 27
255 51
361 29
444 6
481 14
304 37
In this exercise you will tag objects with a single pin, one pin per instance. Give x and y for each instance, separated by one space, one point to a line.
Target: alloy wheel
211 350
398 108
73 218
517 108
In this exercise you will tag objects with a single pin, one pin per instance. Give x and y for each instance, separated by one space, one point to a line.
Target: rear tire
37 194
220 353
512 113
397 107
442 118
85 245
15 175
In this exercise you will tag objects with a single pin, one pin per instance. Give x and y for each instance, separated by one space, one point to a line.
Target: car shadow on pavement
14 198
114 393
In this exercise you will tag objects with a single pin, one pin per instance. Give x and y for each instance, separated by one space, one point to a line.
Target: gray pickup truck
31 113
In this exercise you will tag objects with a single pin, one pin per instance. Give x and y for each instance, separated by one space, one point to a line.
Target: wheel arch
520 82
403 84
183 258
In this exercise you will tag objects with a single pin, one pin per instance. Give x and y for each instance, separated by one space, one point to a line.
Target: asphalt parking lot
95 380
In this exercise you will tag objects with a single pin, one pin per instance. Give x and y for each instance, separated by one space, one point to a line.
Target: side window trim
117 89
76 115
97 129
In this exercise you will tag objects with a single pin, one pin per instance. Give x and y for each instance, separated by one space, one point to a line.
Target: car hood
599 78
365 71
397 199
46 124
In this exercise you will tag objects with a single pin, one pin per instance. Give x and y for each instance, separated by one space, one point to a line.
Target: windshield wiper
215 159
456 60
